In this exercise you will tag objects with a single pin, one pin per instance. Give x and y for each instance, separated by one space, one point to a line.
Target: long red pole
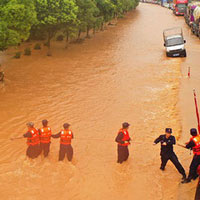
197 111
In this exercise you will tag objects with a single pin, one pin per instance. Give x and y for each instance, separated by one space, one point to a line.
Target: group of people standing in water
39 141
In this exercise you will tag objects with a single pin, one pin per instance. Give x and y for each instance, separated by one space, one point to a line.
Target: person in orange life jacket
197 194
123 139
167 141
65 136
33 141
45 137
193 144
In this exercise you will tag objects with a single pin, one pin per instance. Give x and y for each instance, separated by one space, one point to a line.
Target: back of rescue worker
66 137
45 138
33 141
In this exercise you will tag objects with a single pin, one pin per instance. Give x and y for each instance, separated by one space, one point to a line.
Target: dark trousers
45 147
123 153
193 167
173 158
33 151
65 150
197 195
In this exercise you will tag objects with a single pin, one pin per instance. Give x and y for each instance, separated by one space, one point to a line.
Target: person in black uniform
167 141
193 144
123 139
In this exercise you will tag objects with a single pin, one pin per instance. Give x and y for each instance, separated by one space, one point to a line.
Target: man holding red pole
193 144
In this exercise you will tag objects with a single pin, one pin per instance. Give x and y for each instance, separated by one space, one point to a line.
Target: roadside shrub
60 38
17 55
46 44
27 51
37 46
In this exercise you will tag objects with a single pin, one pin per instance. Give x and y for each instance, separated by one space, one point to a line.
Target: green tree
53 14
87 15
122 6
107 9
16 19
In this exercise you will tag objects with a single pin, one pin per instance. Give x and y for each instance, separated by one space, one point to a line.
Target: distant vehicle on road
174 42
189 14
195 26
179 7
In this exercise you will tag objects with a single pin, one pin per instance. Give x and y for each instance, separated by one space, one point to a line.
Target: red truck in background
179 6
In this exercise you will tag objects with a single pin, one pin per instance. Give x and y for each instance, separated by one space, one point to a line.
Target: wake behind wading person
167 153
66 137
123 139
33 141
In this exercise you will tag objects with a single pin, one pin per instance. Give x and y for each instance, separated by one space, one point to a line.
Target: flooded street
121 74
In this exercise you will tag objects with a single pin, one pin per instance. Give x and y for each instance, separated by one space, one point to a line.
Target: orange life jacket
190 140
196 148
65 137
125 138
34 139
45 135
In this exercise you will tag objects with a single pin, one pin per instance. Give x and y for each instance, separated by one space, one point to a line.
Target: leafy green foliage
53 14
44 18
16 19
106 8
87 14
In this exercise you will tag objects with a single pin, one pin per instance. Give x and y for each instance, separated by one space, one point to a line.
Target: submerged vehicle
174 42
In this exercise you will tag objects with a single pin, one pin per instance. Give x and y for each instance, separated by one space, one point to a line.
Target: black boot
184 177
162 168
195 177
187 180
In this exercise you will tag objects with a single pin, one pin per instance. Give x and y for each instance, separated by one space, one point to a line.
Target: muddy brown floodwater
121 74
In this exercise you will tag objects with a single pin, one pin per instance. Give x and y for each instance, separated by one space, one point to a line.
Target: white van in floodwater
174 42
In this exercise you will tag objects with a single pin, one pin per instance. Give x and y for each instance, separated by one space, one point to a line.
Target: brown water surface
121 74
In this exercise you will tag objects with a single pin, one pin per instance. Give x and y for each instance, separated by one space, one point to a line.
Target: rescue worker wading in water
193 144
33 141
123 139
167 141
65 136
45 137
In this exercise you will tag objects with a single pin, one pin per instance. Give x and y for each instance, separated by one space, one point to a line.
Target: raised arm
157 140
56 135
